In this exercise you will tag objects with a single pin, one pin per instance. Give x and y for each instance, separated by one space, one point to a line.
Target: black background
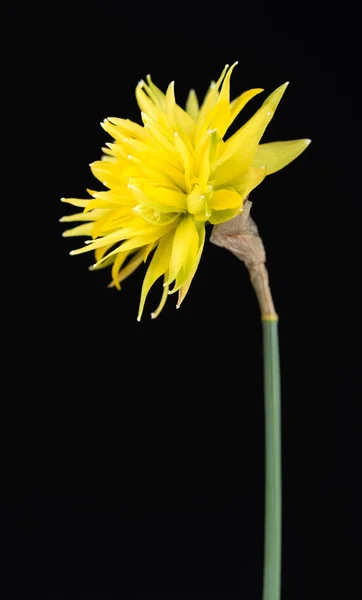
134 452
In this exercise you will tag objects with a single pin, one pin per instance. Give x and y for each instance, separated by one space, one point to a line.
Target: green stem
273 480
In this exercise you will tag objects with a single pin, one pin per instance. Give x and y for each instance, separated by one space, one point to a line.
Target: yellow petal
106 262
76 202
158 169
122 197
114 132
156 198
82 216
196 200
155 217
225 90
186 286
276 155
249 181
185 157
158 266
148 249
240 148
162 303
205 115
185 236
102 204
219 81
131 266
146 105
110 221
128 127
192 105
99 253
171 103
117 265
238 104
157 95
166 196
162 143
84 229
122 234
188 264
224 198
220 216
107 173
221 119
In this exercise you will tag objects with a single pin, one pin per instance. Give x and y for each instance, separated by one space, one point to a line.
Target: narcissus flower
170 176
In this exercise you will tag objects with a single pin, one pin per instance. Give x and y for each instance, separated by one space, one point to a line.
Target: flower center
197 202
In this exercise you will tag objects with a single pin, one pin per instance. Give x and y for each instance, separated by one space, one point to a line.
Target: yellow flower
170 176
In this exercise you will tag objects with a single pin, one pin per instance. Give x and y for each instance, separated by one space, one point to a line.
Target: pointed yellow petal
138 241
76 202
162 143
124 233
185 236
117 265
145 104
84 229
149 248
82 216
225 90
128 127
186 159
221 119
101 204
201 160
156 198
205 115
114 132
157 95
192 105
117 198
186 286
158 266
132 265
110 221
276 155
162 303
171 103
240 148
224 198
219 81
188 264
158 169
178 118
238 104
155 217
105 172
166 196
99 253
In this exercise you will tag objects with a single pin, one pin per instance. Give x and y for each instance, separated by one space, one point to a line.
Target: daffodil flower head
170 176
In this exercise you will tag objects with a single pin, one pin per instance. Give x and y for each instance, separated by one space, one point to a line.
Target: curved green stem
273 479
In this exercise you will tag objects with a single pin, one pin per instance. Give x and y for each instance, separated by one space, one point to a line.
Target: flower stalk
241 237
